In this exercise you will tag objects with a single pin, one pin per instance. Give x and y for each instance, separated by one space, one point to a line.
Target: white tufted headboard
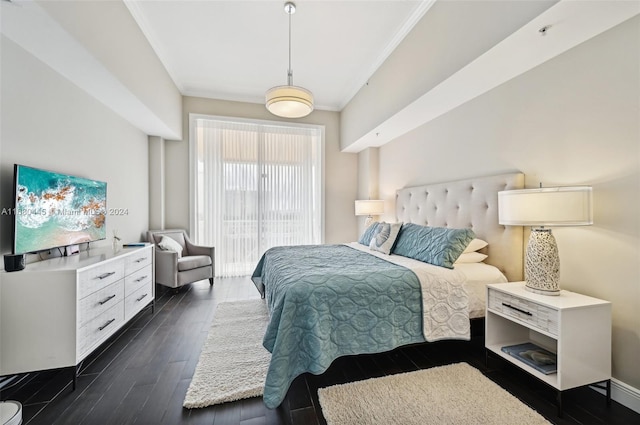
471 203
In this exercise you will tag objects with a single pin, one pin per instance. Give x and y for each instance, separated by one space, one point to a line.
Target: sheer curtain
256 185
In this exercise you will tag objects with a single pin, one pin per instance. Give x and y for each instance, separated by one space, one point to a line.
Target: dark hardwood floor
142 374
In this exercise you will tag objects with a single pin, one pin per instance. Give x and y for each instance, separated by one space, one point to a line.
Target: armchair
174 270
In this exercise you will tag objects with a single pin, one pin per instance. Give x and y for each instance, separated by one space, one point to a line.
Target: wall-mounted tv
54 210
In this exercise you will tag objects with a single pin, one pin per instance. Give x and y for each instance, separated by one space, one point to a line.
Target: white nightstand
575 327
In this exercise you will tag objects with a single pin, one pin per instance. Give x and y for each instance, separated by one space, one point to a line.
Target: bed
328 301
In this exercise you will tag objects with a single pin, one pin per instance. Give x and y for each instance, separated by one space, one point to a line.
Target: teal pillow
365 239
440 246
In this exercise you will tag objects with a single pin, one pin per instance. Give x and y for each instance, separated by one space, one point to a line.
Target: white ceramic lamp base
542 263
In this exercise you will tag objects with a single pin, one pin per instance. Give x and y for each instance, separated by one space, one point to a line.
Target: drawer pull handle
517 309
139 260
105 275
106 324
142 297
106 300
140 279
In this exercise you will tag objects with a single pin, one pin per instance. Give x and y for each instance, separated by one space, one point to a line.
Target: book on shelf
537 357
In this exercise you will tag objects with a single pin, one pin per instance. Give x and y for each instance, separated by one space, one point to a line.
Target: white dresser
54 313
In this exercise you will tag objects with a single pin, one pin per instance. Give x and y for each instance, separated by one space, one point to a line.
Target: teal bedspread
328 301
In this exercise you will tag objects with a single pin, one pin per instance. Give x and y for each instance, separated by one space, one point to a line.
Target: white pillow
470 257
168 244
384 237
475 245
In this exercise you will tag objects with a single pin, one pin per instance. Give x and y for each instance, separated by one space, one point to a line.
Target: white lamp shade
369 207
548 206
289 101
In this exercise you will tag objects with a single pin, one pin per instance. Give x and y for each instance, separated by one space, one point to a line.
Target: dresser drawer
137 279
138 300
536 315
99 329
138 260
98 277
95 304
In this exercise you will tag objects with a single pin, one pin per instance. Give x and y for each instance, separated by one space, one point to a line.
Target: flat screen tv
54 210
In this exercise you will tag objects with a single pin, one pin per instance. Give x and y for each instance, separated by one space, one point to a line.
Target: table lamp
539 208
369 208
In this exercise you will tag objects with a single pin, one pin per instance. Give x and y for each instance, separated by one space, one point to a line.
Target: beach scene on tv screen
54 210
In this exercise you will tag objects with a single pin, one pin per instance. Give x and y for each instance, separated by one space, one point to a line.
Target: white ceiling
236 50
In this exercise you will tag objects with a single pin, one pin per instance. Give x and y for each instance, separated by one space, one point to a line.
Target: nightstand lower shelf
550 379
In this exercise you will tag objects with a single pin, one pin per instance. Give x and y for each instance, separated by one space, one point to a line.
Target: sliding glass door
255 185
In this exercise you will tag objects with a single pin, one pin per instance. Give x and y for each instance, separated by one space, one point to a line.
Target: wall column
156 183
368 177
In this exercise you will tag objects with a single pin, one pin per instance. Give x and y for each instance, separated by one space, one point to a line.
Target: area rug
233 363
454 394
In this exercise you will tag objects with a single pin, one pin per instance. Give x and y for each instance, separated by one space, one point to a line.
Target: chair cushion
177 236
193 262
170 244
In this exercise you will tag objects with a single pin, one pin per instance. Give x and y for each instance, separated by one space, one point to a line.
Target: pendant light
289 101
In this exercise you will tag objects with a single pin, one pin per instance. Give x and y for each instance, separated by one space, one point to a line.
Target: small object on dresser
134 244
14 262
540 359
71 250
116 240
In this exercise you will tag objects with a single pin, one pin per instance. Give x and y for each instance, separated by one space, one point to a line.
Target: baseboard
624 394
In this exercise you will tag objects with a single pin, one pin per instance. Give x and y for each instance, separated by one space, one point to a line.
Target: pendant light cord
289 71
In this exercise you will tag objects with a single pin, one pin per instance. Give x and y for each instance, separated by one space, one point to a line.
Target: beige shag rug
455 394
233 363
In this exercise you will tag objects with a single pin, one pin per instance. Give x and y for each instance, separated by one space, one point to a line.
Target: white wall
340 182
48 122
572 120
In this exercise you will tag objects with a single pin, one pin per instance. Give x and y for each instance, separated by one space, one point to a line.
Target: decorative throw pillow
440 246
168 244
384 237
471 257
475 245
365 239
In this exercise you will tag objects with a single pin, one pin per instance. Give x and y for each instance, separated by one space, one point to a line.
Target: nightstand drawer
538 316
